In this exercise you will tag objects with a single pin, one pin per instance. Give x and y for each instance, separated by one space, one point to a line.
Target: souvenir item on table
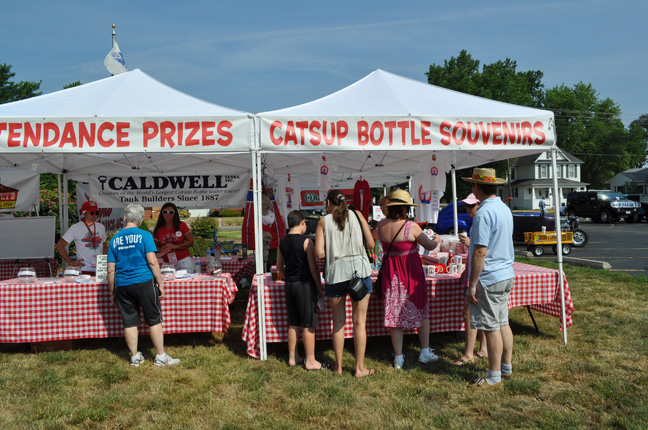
27 275
70 274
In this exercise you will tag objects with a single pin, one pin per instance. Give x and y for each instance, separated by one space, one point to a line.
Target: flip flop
481 356
322 367
370 372
462 361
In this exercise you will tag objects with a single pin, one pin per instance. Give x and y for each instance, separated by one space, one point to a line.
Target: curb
592 264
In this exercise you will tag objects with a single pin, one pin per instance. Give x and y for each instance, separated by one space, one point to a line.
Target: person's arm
312 264
416 234
369 239
320 241
477 261
280 264
111 280
151 259
60 247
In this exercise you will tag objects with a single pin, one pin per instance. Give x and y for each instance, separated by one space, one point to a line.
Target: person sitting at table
133 273
472 204
89 237
338 238
404 289
296 264
173 238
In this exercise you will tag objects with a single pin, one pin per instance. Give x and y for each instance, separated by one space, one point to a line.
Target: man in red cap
89 236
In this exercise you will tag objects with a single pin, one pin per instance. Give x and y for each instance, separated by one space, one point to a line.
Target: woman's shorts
301 302
131 297
341 288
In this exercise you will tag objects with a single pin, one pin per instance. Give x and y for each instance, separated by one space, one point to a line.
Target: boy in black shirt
296 263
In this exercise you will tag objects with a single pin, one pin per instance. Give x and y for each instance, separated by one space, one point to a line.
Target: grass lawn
599 380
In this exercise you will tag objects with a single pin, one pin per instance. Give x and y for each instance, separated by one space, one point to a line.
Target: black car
602 206
642 199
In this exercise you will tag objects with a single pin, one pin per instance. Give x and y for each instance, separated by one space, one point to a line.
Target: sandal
298 363
322 367
462 361
370 372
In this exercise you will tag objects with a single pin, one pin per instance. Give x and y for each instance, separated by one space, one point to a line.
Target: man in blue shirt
491 276
135 282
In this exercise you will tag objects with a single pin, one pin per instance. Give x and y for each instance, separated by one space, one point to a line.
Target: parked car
642 199
602 206
445 220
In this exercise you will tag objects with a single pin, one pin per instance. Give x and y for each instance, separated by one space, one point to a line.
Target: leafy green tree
499 81
12 91
640 126
72 84
591 128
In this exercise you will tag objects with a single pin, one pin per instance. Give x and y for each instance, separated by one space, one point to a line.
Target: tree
11 91
72 85
640 126
591 129
499 81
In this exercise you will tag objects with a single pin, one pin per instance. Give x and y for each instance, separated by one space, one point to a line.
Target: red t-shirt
165 236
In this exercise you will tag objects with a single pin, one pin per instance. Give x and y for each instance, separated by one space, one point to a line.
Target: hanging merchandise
362 197
287 195
429 186
272 221
325 176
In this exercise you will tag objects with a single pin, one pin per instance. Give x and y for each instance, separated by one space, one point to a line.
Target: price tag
102 267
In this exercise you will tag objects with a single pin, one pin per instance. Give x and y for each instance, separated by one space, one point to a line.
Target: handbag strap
386 254
364 241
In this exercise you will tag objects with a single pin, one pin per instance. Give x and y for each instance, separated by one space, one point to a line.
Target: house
631 181
532 178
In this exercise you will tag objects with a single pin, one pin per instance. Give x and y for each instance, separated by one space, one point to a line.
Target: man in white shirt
89 236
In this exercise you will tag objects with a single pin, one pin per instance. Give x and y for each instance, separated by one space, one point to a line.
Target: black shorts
131 297
301 301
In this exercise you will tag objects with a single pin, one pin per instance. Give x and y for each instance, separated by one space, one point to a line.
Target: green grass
598 380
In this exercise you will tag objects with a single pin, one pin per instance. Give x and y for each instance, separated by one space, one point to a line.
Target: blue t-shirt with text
128 250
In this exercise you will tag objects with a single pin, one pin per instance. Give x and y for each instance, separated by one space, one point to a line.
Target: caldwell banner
122 135
191 190
412 133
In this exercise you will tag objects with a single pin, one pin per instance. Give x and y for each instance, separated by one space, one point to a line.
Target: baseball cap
470 200
88 206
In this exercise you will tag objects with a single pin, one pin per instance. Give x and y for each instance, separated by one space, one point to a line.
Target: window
543 171
571 173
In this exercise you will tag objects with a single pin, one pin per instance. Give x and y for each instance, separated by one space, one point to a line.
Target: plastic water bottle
217 258
211 263
197 269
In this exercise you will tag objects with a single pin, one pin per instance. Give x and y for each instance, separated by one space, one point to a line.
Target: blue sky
264 55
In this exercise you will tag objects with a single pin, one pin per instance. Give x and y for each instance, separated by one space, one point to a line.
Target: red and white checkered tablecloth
47 311
238 267
534 286
9 268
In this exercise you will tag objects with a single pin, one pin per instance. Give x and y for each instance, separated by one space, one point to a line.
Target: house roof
534 158
633 175
548 183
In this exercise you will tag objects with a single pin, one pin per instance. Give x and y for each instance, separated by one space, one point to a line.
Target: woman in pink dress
404 288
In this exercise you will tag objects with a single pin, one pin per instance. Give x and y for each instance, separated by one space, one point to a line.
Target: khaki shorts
491 310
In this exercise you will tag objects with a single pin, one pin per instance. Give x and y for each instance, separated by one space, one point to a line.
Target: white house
532 178
633 177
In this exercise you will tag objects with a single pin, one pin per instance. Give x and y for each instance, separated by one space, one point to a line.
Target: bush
203 226
229 213
144 226
184 213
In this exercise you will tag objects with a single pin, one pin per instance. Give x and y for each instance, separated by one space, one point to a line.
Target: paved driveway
624 246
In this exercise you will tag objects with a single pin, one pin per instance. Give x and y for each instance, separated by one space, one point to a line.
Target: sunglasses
94 213
168 212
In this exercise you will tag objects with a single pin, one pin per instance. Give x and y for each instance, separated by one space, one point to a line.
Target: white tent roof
140 101
438 117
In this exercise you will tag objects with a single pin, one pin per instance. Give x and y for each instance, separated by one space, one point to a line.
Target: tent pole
454 195
554 151
60 202
258 246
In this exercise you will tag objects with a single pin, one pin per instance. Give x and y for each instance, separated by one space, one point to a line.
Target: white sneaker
165 360
136 359
427 356
399 360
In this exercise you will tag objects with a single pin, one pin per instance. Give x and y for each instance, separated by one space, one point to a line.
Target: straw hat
401 198
482 175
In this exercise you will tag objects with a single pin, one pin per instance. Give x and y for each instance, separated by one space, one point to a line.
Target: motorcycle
572 223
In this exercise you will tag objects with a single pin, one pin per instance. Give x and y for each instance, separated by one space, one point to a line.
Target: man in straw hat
491 276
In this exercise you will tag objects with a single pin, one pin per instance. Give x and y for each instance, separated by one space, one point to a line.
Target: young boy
296 263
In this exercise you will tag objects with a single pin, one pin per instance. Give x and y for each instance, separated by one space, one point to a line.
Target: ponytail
340 212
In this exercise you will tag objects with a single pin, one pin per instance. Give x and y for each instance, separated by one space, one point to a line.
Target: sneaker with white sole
399 360
427 356
165 360
136 359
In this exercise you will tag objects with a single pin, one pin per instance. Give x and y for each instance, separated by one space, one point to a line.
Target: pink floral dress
404 288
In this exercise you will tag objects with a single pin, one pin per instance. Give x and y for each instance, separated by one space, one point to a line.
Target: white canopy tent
384 124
